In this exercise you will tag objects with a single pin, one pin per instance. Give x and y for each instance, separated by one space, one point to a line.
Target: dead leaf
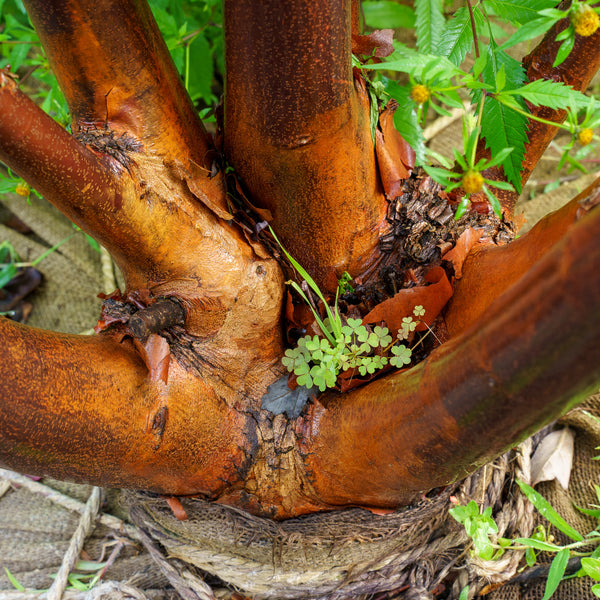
395 157
432 297
177 508
463 246
553 458
378 44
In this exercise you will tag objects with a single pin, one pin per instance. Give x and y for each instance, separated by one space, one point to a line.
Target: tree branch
577 71
78 182
83 408
115 70
534 354
298 132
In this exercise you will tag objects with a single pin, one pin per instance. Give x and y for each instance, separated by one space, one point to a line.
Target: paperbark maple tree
169 397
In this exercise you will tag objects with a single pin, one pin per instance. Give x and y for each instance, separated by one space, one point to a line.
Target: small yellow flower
472 182
585 136
420 94
23 189
585 20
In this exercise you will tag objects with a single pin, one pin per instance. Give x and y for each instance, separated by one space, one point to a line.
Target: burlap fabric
411 554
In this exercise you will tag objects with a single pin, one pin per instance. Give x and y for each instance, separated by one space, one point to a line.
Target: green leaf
556 572
554 94
591 567
457 37
201 69
596 590
495 204
386 14
530 30
537 544
501 185
502 127
498 158
592 512
500 79
13 581
518 12
548 512
564 50
429 24
7 272
408 60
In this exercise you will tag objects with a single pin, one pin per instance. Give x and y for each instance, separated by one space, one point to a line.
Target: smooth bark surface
290 99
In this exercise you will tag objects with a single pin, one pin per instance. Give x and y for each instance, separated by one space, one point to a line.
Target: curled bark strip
489 270
432 297
395 158
156 317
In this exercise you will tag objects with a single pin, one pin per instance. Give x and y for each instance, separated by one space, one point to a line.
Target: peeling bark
174 405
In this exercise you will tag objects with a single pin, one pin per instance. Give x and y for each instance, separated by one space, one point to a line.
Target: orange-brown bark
178 411
297 131
532 355
115 71
82 408
490 269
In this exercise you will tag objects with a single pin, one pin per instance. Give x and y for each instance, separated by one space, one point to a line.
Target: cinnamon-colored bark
532 355
83 408
179 411
297 131
115 71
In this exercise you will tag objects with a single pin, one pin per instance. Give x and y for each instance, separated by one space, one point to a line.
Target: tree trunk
168 397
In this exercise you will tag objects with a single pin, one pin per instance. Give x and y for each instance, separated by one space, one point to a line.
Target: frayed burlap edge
343 554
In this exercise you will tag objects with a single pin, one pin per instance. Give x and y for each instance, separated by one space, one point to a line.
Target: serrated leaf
554 94
553 458
556 572
530 30
502 127
547 511
385 14
456 39
518 12
408 60
428 24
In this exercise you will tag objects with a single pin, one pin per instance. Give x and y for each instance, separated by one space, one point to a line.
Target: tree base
343 554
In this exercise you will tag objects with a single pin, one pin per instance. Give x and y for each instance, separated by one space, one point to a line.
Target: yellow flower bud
23 189
585 20
420 93
585 136
472 182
